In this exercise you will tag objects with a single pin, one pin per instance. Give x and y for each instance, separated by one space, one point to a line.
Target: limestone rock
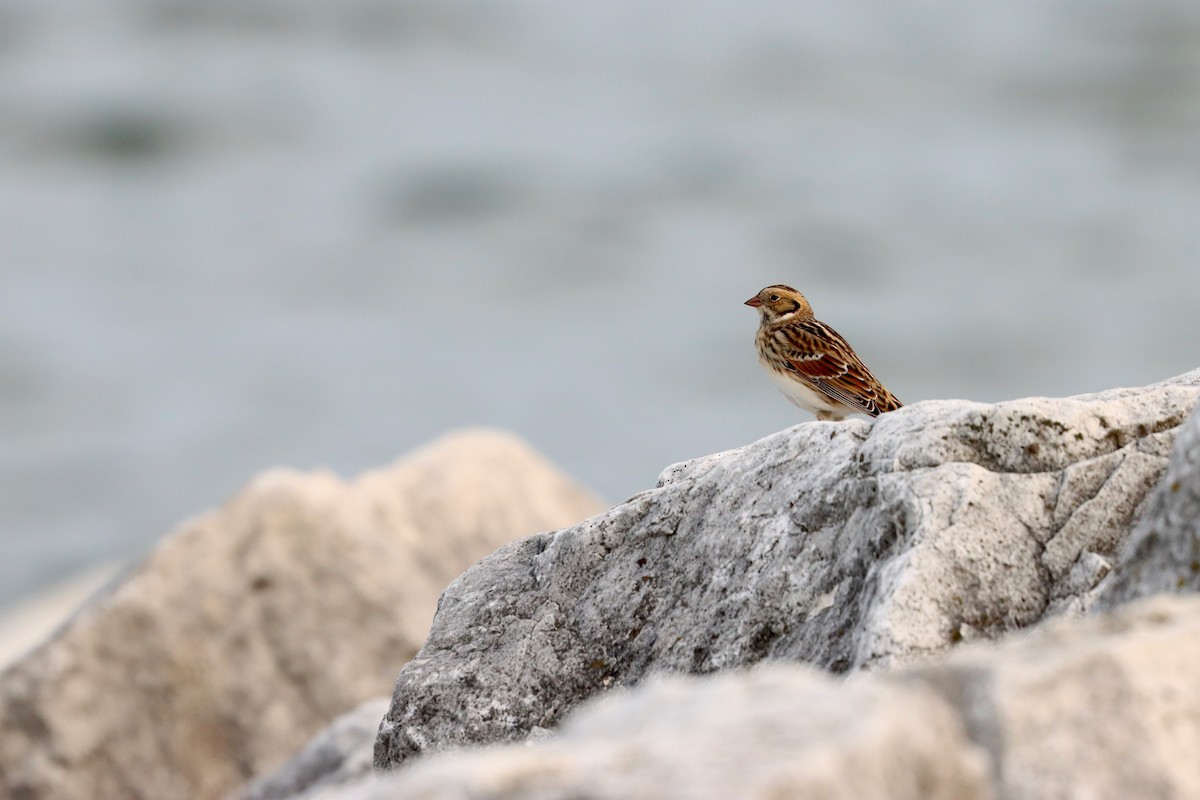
844 545
251 627
784 731
1163 552
1105 708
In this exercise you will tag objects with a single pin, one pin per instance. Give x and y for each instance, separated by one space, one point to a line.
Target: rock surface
774 732
1163 552
340 754
844 545
1105 708
251 627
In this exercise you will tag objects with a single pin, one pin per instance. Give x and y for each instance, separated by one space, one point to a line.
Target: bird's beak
754 302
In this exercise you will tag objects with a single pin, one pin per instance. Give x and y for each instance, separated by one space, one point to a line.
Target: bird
810 362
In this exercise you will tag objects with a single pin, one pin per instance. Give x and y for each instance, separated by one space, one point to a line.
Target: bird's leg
826 416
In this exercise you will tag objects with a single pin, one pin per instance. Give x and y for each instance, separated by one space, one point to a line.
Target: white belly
800 394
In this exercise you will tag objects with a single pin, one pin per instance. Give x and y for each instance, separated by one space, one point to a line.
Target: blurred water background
244 233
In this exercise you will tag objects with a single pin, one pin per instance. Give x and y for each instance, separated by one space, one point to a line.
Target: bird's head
779 302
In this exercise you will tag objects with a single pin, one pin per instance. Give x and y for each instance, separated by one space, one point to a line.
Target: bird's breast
794 388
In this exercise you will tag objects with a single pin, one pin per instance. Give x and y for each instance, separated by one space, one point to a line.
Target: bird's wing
823 358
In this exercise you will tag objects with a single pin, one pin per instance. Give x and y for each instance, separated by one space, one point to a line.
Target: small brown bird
810 362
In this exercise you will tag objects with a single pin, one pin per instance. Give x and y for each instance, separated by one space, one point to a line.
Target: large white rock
251 627
1104 708
784 731
844 545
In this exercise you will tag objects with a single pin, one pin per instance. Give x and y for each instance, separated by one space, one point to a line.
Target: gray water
244 233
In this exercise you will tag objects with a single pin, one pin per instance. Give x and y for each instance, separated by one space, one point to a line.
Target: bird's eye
774 298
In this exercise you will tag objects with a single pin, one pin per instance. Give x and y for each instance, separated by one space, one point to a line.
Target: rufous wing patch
818 365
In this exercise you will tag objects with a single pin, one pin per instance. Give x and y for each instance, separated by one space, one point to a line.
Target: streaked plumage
810 362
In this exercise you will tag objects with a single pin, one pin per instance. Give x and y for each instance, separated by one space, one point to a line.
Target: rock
844 545
33 620
1163 552
1105 708
783 731
340 754
252 627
